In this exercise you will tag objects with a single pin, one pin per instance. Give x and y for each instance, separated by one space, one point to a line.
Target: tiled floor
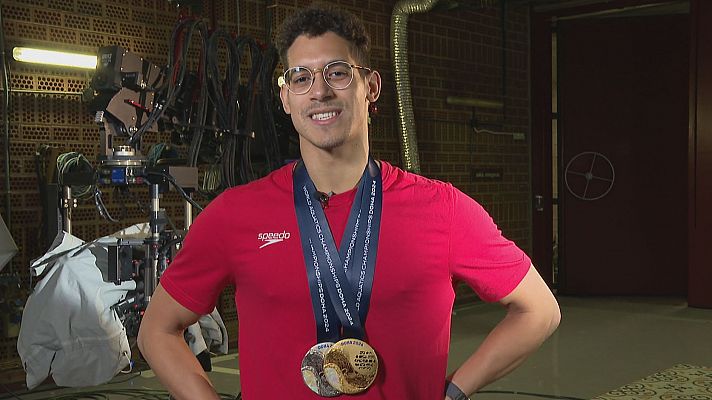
601 345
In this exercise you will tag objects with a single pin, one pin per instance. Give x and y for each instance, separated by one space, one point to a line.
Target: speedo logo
272 237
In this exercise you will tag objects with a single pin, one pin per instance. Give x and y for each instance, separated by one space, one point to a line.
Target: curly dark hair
320 18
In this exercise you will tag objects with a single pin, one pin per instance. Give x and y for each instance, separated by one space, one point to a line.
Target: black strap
454 392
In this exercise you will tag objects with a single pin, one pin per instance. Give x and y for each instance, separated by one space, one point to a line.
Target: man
305 306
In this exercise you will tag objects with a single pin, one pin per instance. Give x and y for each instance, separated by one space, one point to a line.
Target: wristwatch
454 392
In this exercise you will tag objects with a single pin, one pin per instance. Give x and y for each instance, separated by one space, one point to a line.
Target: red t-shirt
430 233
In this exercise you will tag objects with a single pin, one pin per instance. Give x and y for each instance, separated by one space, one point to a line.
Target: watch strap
454 392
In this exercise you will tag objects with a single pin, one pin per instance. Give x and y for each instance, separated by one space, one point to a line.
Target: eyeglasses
337 74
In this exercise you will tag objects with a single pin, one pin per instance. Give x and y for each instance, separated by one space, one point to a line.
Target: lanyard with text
348 273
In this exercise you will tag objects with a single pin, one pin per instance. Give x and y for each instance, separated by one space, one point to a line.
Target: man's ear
374 86
283 94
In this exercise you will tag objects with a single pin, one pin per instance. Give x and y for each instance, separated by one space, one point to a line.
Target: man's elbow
144 336
555 316
141 340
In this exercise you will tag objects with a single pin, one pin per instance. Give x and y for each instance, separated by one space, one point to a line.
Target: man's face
326 118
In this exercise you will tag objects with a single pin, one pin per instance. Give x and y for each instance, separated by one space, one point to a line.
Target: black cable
244 164
133 376
179 189
180 40
165 247
39 389
234 108
100 206
74 162
223 94
175 75
170 223
138 203
12 394
545 396
154 153
270 59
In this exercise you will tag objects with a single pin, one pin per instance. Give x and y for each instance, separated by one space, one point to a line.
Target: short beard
326 144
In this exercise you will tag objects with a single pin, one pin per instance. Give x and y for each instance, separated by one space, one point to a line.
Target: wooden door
623 118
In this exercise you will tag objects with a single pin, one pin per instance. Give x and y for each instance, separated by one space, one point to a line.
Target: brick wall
456 52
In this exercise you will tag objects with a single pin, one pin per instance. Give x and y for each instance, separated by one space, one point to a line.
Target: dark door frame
700 157
542 212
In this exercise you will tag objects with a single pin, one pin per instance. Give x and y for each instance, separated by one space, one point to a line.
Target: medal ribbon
346 274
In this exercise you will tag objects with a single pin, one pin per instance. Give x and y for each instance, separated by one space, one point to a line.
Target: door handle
539 202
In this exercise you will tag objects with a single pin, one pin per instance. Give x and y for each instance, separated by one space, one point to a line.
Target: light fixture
51 57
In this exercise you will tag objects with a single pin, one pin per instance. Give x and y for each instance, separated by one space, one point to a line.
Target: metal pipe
470 102
151 270
188 214
399 49
672 7
67 205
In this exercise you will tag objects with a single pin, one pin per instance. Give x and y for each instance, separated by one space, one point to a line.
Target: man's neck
336 173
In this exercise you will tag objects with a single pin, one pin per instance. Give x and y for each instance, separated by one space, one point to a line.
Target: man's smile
324 116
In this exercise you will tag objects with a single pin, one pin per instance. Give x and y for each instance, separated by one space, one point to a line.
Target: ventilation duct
399 46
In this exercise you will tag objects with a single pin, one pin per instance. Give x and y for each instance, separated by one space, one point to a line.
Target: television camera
125 98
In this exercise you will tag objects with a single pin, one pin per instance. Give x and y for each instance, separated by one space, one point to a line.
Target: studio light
51 57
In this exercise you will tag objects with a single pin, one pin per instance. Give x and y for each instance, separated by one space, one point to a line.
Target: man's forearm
176 366
505 348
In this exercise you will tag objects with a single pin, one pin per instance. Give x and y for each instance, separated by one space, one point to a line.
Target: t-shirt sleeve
197 275
479 255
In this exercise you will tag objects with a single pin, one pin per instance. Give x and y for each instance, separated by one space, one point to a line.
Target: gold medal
313 371
350 366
